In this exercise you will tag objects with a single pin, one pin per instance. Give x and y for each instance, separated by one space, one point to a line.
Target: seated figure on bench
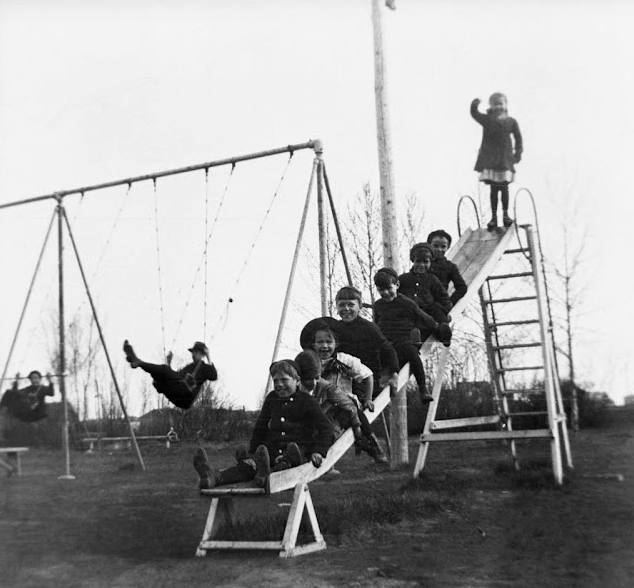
28 404
182 386
291 429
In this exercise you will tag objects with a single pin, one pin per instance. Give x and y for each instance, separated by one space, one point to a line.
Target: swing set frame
318 176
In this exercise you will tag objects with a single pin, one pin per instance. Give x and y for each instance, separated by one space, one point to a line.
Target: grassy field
469 521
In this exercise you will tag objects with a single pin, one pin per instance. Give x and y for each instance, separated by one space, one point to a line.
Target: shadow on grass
346 517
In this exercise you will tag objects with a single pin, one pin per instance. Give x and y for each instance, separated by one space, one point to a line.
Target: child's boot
130 356
426 397
376 452
444 334
493 223
506 219
208 477
293 455
361 445
262 465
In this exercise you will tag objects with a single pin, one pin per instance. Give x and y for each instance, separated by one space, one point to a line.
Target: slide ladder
476 255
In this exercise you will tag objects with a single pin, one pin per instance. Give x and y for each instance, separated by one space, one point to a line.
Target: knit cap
286 366
309 364
417 249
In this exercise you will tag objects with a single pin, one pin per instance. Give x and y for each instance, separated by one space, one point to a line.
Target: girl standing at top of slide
498 154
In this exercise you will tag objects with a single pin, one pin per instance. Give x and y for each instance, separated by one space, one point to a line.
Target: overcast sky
95 91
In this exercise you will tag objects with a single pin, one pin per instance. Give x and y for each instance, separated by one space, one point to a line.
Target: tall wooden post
399 454
62 342
321 221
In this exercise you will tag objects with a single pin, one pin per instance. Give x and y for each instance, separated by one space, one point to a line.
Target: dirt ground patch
470 521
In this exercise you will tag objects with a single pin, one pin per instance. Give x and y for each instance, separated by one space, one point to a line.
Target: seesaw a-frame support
223 509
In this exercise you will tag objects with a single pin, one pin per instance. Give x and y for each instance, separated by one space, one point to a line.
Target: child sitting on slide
396 316
358 337
290 430
446 271
344 371
180 387
338 406
424 288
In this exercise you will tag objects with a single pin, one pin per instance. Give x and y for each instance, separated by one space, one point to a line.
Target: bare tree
568 295
412 225
364 239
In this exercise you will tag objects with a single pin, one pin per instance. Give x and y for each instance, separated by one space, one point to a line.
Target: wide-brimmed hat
199 346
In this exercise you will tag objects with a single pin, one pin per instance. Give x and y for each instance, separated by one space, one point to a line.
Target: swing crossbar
316 144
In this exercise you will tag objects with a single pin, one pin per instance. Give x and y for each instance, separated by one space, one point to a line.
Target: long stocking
494 198
505 197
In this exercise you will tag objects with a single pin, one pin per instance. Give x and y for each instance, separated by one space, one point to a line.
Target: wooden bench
13 452
126 442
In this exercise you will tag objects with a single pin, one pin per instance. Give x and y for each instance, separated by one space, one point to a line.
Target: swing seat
178 392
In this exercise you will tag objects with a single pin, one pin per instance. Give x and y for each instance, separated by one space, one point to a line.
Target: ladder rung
528 413
520 250
516 369
514 299
505 323
483 435
516 345
505 276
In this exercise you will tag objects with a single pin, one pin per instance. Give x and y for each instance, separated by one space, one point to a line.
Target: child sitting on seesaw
180 387
344 371
290 430
396 315
423 287
28 404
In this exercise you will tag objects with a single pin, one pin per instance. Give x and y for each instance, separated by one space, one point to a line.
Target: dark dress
496 150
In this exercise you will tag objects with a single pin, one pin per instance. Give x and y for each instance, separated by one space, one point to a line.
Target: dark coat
297 419
397 318
424 289
496 151
447 272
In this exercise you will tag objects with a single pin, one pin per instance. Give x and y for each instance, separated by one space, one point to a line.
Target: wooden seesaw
223 506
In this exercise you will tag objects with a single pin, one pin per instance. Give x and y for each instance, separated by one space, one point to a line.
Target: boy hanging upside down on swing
180 387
